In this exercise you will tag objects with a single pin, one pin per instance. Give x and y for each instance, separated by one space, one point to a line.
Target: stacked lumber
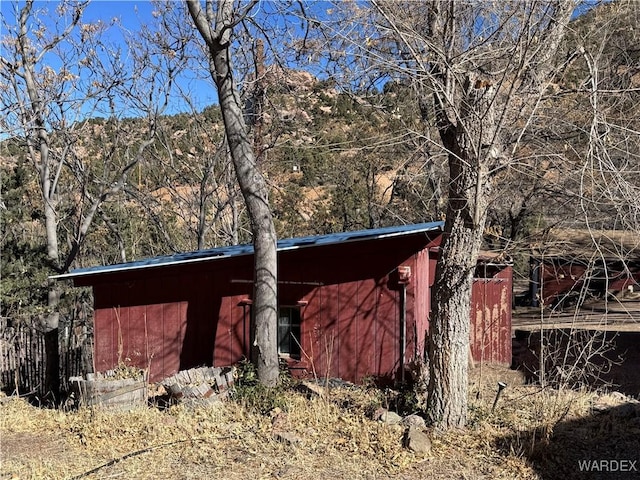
197 385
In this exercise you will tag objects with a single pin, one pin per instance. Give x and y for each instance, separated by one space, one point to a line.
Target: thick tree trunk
52 321
40 156
464 225
253 187
255 193
478 88
450 318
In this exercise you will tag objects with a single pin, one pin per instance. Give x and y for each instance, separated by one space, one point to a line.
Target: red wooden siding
142 335
182 316
170 320
422 279
622 280
561 279
351 318
491 316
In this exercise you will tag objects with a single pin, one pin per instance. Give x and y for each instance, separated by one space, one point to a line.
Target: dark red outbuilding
570 266
351 305
561 281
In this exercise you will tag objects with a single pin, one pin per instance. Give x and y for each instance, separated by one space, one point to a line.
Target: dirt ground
532 433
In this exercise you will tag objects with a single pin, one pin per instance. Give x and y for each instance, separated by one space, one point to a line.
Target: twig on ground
140 452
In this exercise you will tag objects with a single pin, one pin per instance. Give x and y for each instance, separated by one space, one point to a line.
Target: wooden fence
22 357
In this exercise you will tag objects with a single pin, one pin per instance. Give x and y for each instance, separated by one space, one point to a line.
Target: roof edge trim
356 236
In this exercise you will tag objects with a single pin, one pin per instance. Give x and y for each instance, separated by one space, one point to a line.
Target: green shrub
256 397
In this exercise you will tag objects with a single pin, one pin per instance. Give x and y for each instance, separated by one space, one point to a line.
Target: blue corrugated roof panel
238 250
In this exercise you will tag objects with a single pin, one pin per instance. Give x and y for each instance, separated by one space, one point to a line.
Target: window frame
294 344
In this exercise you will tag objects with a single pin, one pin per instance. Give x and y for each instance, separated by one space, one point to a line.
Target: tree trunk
255 193
450 318
52 320
464 225
39 152
253 187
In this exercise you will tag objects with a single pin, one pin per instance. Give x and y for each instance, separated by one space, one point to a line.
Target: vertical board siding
147 336
350 324
421 287
170 324
366 322
154 332
136 337
328 306
491 318
230 333
349 300
387 321
336 298
320 333
105 343
355 310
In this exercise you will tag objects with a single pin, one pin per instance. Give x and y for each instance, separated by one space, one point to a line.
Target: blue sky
130 15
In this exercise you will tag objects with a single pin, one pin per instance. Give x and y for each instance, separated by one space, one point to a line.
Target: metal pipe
403 328
245 345
501 387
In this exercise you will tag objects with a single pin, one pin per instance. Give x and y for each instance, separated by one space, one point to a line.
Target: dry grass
337 439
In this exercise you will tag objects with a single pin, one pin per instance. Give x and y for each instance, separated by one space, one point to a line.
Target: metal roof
238 250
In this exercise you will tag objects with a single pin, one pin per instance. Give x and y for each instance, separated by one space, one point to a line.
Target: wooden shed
570 267
352 305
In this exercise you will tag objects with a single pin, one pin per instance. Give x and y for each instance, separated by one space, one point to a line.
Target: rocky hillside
336 160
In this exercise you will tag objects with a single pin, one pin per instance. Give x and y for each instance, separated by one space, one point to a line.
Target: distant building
570 267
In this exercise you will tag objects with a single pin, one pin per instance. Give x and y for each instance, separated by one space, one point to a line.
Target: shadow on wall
582 357
604 445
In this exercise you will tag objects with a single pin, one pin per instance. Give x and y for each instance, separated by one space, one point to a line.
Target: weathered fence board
22 357
108 390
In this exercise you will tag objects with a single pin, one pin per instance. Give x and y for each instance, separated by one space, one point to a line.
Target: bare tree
55 75
34 91
215 24
190 193
609 179
480 70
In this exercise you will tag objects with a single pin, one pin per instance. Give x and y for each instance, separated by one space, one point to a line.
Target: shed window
289 331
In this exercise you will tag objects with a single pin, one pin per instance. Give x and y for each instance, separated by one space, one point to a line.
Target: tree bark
469 129
39 152
252 185
40 106
450 319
